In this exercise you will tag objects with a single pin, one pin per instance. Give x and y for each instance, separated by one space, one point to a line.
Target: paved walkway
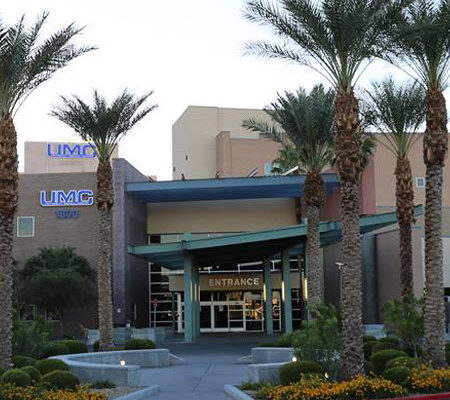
211 362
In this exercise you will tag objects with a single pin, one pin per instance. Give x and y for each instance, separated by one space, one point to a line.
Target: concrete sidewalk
211 363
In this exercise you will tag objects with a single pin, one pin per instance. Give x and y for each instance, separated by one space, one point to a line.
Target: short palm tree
398 113
336 38
421 40
103 124
304 121
287 159
25 63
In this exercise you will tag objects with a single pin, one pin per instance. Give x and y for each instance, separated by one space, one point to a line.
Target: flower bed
32 393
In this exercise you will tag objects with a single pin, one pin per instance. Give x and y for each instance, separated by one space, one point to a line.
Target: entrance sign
67 150
234 282
61 198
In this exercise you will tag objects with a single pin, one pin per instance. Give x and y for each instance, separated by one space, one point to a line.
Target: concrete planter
121 335
141 394
265 372
235 393
91 367
267 355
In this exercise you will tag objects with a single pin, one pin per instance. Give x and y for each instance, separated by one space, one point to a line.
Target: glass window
268 169
420 182
25 226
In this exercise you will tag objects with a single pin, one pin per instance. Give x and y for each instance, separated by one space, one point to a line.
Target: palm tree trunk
435 151
105 201
405 215
314 198
8 203
348 162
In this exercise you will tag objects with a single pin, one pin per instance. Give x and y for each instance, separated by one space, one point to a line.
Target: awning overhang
262 187
252 246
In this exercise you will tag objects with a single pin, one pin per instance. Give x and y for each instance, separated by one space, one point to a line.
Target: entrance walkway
212 361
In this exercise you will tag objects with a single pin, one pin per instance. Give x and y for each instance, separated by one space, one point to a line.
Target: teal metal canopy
252 246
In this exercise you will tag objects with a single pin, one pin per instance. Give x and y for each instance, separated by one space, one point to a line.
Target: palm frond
103 124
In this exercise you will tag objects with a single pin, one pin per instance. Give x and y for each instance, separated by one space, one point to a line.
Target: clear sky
190 52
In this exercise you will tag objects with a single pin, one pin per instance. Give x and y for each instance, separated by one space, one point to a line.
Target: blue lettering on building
61 198
66 150
67 214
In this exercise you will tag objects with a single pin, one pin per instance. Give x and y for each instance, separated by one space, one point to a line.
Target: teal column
286 297
196 301
267 293
188 298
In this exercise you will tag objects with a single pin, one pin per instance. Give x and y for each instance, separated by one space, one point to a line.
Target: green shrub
50 365
384 346
102 385
292 372
22 361
29 337
285 340
399 375
2 371
380 358
367 347
447 356
407 362
16 377
369 338
390 339
139 344
33 372
96 346
368 367
61 380
54 349
268 344
74 346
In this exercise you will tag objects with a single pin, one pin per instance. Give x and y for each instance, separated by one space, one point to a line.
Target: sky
188 52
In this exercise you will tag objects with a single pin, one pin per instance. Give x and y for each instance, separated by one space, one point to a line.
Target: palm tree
422 49
306 122
337 39
24 65
103 125
287 159
398 112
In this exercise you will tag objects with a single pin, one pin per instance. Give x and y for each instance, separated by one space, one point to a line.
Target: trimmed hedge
50 365
399 375
390 339
292 372
139 344
2 371
381 358
22 361
384 346
369 338
407 362
61 380
74 346
367 348
16 377
368 367
54 349
33 372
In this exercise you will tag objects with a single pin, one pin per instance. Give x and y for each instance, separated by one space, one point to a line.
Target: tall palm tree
337 39
25 63
422 48
306 122
103 125
398 113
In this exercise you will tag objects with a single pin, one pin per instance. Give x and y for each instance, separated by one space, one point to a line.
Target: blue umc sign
75 150
61 198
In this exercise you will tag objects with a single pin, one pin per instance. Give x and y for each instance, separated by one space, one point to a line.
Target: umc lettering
65 150
60 198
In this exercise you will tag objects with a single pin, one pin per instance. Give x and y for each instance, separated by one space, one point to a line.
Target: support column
188 298
196 302
286 297
268 319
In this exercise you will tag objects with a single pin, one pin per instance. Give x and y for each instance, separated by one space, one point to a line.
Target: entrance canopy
252 246
262 187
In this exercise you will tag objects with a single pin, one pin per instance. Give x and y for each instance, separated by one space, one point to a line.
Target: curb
235 393
436 396
141 394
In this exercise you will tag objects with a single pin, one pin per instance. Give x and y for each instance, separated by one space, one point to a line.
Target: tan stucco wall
194 136
219 216
385 178
237 157
37 160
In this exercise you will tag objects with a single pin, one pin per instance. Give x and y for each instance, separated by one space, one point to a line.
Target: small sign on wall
61 198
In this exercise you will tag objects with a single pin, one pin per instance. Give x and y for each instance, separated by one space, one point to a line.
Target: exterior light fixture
326 375
122 363
294 359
